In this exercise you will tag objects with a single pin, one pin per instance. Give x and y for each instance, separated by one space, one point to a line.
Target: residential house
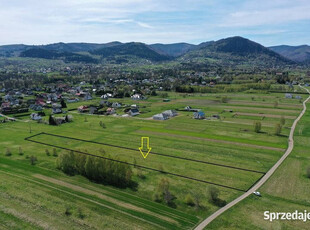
116 105
110 111
56 108
199 115
93 110
298 97
35 117
83 108
72 100
36 107
134 112
288 95
160 117
170 113
88 97
137 96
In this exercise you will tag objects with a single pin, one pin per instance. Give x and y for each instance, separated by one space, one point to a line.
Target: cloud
38 22
268 13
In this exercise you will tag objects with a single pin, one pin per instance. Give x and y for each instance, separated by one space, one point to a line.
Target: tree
65 162
55 152
20 151
197 197
278 129
33 160
90 168
275 105
63 104
308 172
257 126
51 120
282 120
153 93
47 152
163 193
224 99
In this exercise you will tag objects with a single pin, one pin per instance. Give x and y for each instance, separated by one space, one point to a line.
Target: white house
170 113
160 117
35 117
116 105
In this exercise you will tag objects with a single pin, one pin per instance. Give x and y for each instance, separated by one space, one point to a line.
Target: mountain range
228 51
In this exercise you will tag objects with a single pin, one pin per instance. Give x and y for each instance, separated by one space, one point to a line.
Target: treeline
95 169
222 88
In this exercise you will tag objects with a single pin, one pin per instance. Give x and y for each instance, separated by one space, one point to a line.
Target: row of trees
163 195
95 169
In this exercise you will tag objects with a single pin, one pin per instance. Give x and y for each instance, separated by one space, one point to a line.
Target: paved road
203 224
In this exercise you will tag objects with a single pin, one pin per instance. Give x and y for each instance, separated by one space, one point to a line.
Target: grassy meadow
40 196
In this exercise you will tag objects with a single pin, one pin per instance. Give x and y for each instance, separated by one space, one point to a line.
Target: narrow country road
204 223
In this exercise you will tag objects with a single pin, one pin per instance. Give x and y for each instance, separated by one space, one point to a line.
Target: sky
269 22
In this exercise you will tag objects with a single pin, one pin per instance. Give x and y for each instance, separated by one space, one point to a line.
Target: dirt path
203 224
211 140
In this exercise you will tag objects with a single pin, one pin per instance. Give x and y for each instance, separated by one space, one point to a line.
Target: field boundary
140 166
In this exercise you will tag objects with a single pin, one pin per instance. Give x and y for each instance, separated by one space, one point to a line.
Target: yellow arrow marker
145 142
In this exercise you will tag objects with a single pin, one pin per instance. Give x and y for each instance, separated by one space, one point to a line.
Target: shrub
68 211
278 129
8 152
257 126
55 152
189 200
81 215
140 174
213 194
282 120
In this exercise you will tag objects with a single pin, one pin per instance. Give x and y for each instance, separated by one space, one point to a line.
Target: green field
286 191
39 196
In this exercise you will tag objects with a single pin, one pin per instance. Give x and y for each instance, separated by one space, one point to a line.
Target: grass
286 191
230 141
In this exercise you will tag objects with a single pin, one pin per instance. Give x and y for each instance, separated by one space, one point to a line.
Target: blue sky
269 22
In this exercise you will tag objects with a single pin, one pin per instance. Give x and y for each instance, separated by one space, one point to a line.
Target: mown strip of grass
217 137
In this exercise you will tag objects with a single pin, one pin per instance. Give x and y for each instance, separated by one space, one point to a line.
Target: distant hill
235 51
174 50
16 50
12 50
295 53
52 54
231 51
78 47
135 49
